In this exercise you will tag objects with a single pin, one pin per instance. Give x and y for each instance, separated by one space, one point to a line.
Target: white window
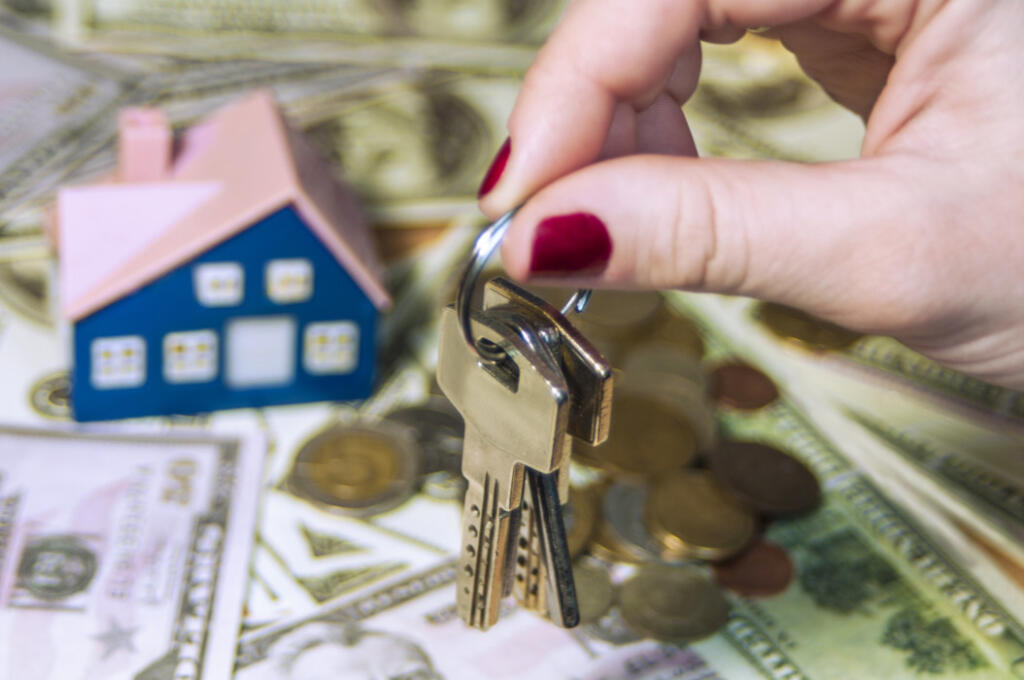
218 284
330 347
190 357
289 280
260 352
118 362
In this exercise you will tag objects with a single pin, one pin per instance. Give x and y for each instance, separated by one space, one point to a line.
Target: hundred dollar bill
754 101
409 629
123 556
433 32
888 585
49 105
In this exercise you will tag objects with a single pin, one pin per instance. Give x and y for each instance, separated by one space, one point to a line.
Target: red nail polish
497 167
570 243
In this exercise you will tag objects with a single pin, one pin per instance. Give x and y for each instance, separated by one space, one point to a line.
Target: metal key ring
484 246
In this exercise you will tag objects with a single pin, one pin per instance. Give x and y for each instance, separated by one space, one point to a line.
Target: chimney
144 145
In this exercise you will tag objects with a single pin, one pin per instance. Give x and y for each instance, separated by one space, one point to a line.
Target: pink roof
240 165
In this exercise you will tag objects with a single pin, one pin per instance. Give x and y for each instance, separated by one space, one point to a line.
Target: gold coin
647 438
691 516
359 469
673 603
803 329
670 327
580 518
765 478
594 591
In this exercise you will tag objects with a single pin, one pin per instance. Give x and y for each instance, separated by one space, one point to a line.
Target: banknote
49 105
754 101
123 556
432 32
871 569
409 629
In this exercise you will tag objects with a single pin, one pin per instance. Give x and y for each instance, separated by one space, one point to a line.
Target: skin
920 238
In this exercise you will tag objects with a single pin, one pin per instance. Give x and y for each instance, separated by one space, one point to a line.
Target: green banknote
480 34
123 556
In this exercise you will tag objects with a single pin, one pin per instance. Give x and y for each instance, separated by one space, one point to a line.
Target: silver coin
438 429
623 510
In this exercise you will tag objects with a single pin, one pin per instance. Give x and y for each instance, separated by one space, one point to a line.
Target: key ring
484 246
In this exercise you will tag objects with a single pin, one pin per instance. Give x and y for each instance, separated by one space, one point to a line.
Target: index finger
602 53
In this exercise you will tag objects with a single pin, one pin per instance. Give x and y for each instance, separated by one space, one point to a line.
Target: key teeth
479 519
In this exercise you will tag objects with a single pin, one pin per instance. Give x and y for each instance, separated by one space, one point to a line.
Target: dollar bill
437 32
49 105
873 568
754 101
409 629
123 556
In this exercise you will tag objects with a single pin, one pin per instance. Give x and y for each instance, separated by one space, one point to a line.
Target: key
543 580
516 413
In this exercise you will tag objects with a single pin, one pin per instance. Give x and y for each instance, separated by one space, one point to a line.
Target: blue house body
164 349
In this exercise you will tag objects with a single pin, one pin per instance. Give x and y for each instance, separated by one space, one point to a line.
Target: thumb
831 238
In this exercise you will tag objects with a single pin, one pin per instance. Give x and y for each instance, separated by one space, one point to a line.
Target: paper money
123 556
410 629
48 104
432 32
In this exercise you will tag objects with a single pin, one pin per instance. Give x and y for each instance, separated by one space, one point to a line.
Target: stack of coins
671 515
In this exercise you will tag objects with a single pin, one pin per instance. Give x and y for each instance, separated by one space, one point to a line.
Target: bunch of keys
525 382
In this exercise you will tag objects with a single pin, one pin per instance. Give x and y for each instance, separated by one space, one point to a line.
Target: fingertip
516 248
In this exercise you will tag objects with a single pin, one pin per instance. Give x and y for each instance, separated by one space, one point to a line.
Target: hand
921 238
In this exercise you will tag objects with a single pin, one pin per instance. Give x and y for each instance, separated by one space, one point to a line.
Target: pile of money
665 492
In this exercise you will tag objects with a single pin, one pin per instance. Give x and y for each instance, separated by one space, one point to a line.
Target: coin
762 570
801 328
594 591
647 438
690 515
356 469
765 478
623 309
580 518
438 430
678 381
673 603
670 327
51 396
741 386
623 532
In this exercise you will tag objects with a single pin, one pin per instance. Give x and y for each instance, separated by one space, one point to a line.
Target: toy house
225 269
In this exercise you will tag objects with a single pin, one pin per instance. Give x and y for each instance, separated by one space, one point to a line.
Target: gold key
543 580
516 410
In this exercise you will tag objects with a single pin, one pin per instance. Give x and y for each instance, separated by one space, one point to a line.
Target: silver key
516 412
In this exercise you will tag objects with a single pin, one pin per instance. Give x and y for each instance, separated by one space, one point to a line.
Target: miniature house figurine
227 270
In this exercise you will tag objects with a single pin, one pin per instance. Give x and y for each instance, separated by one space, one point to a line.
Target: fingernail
497 167
570 243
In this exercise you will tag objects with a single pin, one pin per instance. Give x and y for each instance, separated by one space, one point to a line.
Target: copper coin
765 478
673 603
740 385
762 570
691 516
647 438
801 328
